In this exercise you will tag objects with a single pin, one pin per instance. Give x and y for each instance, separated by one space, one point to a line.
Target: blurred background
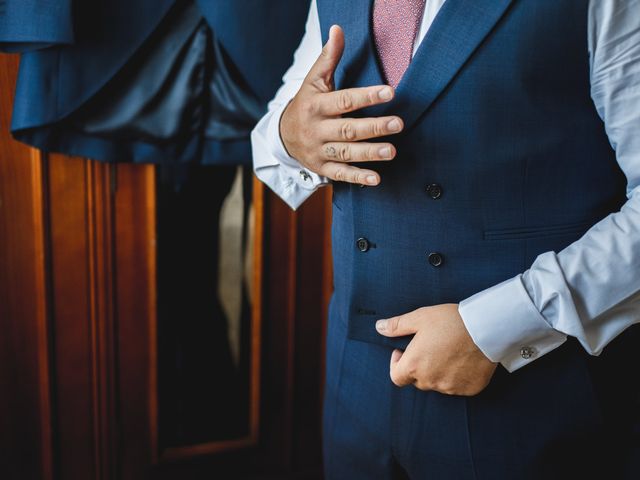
162 315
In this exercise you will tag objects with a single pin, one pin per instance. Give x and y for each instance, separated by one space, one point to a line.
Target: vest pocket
536 232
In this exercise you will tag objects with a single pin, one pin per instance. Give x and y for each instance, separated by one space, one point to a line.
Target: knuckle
309 107
314 163
348 132
344 153
356 177
393 325
446 388
412 369
307 135
340 175
469 392
475 391
475 388
422 385
371 97
345 102
377 129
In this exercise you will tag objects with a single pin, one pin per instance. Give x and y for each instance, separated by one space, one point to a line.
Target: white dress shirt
591 289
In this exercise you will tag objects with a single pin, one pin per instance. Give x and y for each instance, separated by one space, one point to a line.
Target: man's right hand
315 133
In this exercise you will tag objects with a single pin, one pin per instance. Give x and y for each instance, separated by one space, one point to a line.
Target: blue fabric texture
34 24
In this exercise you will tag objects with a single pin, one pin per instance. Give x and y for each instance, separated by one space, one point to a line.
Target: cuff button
527 352
305 176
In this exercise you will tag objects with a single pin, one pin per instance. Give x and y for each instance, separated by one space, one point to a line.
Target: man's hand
441 356
314 132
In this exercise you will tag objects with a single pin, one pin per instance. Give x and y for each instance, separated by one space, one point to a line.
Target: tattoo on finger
331 151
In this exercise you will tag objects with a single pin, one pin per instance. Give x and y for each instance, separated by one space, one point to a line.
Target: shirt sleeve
34 24
271 162
591 289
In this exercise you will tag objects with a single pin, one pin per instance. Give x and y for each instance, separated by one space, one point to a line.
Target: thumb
321 74
396 355
397 326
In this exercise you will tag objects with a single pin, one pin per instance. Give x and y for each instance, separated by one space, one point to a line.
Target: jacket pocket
536 232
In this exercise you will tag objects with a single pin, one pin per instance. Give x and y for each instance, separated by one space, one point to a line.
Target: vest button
435 259
434 191
363 244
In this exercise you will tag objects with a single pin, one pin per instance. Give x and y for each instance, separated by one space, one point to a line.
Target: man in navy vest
485 161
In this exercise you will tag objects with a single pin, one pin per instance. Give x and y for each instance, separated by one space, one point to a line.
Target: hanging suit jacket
147 80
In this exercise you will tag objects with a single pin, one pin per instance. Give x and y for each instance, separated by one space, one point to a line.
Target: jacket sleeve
34 24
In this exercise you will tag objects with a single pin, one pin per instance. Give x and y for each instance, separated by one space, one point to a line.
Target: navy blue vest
499 117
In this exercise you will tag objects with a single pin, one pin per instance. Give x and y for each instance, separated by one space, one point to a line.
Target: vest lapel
459 28
360 59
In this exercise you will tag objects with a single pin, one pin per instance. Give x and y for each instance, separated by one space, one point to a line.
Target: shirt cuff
507 327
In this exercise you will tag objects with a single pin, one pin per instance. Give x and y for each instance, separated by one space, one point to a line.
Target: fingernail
385 152
372 180
381 325
394 125
385 94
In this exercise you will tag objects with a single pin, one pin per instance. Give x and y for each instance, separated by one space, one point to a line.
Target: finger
352 99
321 74
356 129
399 374
398 326
358 152
396 355
342 172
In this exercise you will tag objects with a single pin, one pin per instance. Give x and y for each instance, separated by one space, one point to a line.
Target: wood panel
135 332
25 407
296 293
81 250
310 320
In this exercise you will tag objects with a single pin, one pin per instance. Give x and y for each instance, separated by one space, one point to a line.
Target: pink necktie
395 25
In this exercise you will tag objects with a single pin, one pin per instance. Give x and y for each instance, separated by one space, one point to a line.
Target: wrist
280 127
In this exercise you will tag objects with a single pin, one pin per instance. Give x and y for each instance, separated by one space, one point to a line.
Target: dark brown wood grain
135 332
25 402
81 259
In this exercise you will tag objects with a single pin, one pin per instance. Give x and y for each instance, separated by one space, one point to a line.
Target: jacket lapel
360 59
459 28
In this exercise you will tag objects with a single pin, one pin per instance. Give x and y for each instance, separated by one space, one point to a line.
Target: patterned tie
395 26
